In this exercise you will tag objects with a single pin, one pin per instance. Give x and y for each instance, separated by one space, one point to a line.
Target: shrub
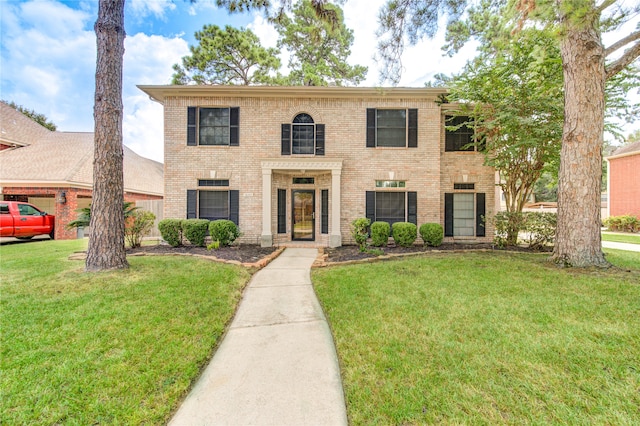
380 232
138 224
404 233
360 231
507 226
624 223
540 228
171 231
224 231
195 230
432 234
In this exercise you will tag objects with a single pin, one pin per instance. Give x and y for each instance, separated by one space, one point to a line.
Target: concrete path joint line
277 363
277 324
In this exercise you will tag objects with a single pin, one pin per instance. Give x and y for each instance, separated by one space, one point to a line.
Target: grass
106 348
621 238
486 338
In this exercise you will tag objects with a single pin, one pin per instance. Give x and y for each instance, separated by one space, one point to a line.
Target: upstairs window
396 128
213 126
302 136
461 138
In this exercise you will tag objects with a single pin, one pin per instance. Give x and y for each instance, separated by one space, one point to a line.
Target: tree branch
628 57
621 43
605 4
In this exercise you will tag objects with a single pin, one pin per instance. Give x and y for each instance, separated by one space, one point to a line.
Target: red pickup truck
24 220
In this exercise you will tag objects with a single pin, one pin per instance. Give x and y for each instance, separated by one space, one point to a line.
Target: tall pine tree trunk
578 241
106 244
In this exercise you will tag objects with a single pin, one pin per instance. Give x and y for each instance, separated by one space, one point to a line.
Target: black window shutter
413 129
480 214
319 139
234 126
448 215
324 211
192 204
412 207
234 206
282 211
192 113
371 127
449 136
286 139
370 209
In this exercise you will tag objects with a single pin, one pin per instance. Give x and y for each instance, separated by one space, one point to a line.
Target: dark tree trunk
106 244
578 241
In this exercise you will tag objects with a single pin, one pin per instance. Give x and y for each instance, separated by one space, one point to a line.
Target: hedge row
174 231
404 233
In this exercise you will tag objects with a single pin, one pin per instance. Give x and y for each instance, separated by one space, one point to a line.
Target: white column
266 239
335 239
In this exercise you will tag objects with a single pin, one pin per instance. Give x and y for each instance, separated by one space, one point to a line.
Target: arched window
303 135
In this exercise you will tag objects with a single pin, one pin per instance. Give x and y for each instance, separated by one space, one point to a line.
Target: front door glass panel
303 215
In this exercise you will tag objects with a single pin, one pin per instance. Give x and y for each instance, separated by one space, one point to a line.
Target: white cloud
147 60
48 61
143 127
264 30
157 8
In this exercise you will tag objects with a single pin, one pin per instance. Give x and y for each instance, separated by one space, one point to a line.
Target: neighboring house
301 163
623 181
54 170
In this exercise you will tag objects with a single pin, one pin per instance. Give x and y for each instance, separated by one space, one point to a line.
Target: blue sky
47 56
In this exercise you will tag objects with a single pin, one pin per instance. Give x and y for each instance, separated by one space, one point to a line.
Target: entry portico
308 167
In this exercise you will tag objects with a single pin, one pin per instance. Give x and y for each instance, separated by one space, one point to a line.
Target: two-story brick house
301 163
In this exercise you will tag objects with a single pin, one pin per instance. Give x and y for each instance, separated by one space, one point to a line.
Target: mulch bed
248 253
349 253
244 253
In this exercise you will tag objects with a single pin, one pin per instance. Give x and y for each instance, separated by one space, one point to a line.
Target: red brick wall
624 186
66 212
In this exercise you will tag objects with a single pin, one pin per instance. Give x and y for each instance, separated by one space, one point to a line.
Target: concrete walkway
277 364
621 246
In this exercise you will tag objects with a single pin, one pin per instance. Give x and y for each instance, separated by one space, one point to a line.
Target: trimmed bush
171 231
404 233
224 231
137 225
380 232
432 234
540 228
507 226
624 223
360 231
195 230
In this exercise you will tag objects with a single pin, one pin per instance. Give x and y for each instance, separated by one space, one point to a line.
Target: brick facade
624 184
427 170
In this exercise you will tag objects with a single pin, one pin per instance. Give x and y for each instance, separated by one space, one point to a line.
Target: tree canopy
227 56
319 48
35 116
313 33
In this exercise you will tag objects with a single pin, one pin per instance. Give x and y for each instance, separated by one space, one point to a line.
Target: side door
30 222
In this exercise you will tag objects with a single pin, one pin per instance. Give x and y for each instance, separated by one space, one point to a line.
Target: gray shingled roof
65 157
633 147
17 128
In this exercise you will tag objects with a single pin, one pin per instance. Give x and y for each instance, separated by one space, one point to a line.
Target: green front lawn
486 338
106 348
621 238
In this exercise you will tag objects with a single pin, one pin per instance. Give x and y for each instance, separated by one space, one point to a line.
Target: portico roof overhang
302 164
